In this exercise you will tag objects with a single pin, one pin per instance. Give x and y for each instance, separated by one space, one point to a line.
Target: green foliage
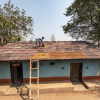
14 24
85 20
14 38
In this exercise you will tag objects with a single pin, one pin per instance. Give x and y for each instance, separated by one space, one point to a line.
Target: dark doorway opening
76 72
16 72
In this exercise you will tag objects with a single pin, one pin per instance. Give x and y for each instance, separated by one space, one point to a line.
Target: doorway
76 72
16 72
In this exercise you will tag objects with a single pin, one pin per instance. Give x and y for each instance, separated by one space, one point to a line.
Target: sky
48 16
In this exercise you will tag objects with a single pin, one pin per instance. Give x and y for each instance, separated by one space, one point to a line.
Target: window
33 65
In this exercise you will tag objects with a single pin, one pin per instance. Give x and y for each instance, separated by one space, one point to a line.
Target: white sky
47 15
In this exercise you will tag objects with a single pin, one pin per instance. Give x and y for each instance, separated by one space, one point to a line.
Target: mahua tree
85 20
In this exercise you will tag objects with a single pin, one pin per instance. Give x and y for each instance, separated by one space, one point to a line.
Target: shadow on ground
24 97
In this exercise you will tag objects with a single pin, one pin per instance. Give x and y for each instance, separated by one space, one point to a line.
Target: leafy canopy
85 20
14 24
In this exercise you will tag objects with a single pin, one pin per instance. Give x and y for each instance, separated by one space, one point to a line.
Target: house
63 60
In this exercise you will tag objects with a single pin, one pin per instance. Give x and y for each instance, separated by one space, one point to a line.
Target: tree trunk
0 42
98 42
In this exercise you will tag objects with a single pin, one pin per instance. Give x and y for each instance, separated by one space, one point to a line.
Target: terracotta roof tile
23 58
24 50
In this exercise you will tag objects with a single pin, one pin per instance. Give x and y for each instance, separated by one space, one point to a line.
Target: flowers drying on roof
58 55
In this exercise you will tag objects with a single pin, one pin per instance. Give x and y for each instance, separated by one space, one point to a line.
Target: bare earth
56 96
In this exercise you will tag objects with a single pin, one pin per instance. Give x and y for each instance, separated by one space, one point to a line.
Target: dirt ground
56 96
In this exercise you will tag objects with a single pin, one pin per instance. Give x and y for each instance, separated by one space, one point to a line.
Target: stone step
13 90
79 86
4 89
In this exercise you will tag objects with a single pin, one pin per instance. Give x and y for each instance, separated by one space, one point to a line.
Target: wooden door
12 73
16 72
76 71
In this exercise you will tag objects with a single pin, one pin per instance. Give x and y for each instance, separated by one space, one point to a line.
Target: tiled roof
25 50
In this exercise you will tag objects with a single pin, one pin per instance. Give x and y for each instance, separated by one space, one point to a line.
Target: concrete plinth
51 87
48 87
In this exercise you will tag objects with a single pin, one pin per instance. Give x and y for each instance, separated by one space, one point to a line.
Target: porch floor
52 84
